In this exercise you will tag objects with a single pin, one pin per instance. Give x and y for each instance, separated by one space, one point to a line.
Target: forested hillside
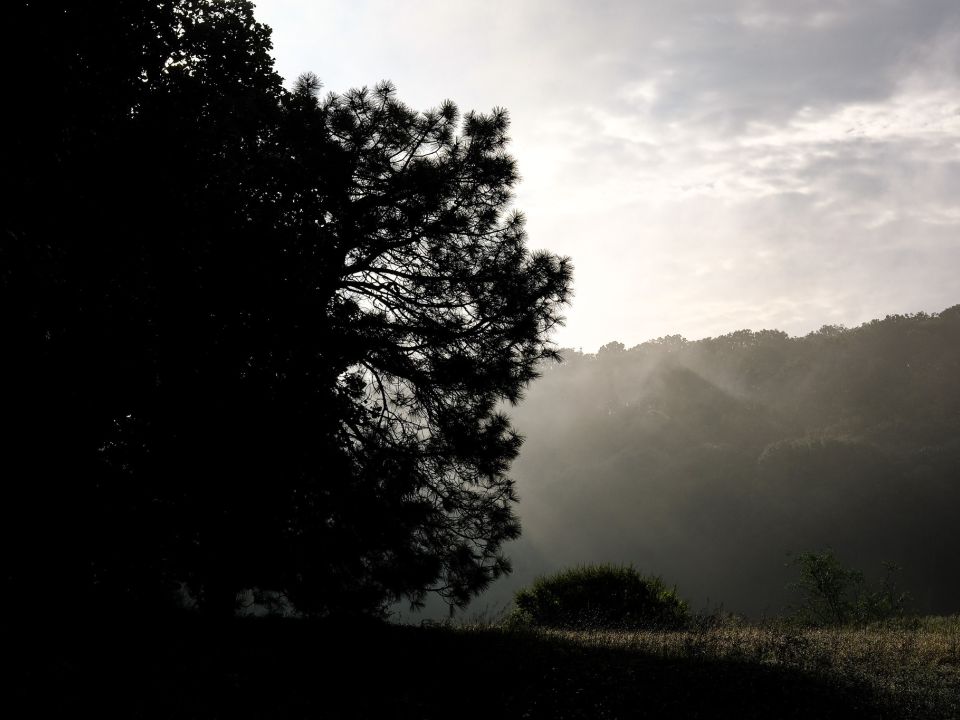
708 461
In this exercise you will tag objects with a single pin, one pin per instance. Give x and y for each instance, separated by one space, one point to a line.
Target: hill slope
708 461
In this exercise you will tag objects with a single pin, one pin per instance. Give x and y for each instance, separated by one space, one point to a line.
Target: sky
708 165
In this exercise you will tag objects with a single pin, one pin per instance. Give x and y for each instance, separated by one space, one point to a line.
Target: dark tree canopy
258 339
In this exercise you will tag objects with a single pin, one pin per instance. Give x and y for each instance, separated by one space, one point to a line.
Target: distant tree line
707 461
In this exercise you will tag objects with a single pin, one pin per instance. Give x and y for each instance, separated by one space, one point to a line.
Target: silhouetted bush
600 596
833 594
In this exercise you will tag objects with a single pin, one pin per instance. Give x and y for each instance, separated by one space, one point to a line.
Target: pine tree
267 334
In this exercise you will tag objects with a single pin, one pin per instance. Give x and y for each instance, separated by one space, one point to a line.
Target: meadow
272 667
908 669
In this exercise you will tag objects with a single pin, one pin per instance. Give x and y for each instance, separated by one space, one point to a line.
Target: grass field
910 670
284 668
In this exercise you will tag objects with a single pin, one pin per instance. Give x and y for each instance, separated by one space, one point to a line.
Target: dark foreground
291 669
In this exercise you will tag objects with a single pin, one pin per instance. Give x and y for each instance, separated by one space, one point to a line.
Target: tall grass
912 667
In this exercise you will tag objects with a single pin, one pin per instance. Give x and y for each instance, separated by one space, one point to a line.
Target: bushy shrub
600 596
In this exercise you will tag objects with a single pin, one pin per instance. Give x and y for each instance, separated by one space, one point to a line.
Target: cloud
708 165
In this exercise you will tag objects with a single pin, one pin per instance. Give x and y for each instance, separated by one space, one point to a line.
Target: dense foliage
600 596
259 337
710 460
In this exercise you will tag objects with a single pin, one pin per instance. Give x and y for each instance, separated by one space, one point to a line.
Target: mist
709 462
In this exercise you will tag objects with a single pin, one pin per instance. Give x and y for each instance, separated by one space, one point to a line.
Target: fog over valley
708 461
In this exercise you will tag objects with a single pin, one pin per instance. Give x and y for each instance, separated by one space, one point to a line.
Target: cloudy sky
709 165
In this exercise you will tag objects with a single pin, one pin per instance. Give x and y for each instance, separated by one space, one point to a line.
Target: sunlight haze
709 166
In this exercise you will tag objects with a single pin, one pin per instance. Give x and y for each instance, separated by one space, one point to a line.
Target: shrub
832 594
600 596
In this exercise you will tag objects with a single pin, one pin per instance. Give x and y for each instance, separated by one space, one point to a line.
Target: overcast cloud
709 165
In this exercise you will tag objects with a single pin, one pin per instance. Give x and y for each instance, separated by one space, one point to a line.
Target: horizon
792 336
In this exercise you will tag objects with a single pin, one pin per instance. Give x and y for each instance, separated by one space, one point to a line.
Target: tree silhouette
261 338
